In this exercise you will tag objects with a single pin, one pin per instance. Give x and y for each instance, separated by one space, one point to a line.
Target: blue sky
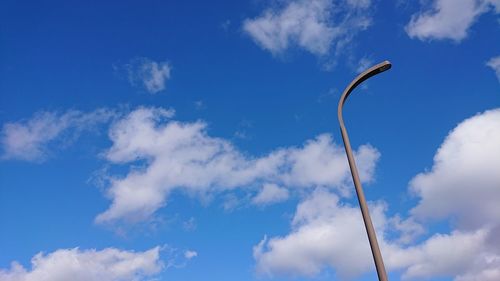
183 140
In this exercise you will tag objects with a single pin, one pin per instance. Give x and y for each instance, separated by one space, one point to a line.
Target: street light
372 236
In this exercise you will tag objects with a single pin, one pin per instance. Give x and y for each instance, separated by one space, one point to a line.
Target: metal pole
372 236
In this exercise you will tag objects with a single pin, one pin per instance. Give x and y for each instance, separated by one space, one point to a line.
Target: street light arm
372 71
370 231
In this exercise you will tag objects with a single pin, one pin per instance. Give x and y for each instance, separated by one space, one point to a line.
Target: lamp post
372 236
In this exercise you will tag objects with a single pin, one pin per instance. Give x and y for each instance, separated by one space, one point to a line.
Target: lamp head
372 71
383 66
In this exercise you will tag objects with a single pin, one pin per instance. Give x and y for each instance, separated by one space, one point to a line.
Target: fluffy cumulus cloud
32 139
328 233
316 26
149 74
465 174
449 19
87 265
324 233
457 254
494 63
169 154
463 185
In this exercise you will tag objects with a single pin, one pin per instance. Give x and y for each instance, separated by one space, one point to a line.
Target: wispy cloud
317 26
189 254
148 74
494 63
190 224
363 64
33 139
199 105
448 19
91 265
225 25
178 258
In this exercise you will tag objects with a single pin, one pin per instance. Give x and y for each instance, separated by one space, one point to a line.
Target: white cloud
189 254
490 272
465 174
149 74
441 255
270 193
328 233
312 165
494 63
324 233
87 265
408 229
462 186
30 140
449 19
182 155
315 26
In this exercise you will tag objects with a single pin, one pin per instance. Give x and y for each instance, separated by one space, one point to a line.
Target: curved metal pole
372 236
